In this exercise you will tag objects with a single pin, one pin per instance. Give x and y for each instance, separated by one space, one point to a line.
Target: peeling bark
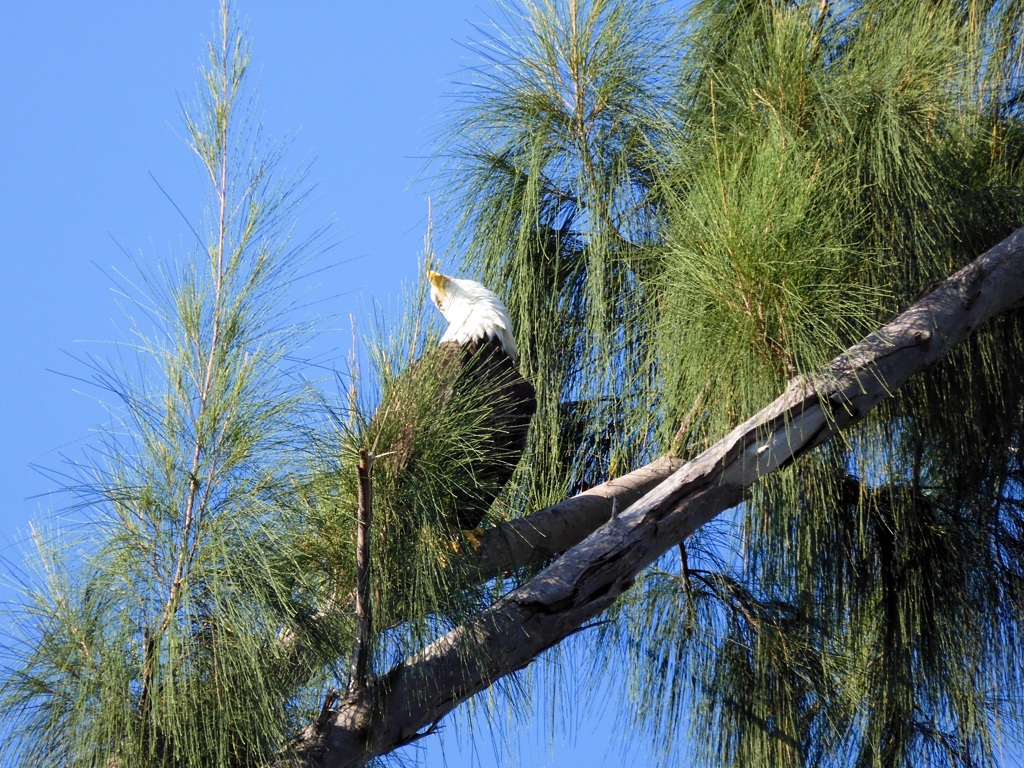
412 697
538 537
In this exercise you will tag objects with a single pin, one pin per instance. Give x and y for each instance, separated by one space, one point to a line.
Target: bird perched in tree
462 405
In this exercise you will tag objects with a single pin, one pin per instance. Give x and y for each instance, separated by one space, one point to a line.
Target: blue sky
91 149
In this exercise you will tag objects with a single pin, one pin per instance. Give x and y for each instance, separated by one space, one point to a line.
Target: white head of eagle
474 313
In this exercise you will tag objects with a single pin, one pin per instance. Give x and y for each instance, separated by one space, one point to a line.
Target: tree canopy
688 210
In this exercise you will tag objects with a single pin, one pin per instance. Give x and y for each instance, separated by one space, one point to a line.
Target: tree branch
587 579
364 615
540 536
524 541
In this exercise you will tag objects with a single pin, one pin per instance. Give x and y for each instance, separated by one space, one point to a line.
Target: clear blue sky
89 126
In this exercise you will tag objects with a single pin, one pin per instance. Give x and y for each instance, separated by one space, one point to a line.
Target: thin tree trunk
412 698
364 611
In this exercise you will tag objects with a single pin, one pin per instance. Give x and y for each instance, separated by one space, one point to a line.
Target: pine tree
722 206
689 213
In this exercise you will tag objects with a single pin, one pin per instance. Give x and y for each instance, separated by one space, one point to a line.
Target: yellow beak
439 281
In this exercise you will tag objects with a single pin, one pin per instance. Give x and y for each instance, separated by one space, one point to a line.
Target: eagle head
473 313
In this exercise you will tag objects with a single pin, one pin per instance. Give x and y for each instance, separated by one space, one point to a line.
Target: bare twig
330 699
364 611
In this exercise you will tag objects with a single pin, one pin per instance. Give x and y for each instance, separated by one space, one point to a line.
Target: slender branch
586 580
217 167
364 616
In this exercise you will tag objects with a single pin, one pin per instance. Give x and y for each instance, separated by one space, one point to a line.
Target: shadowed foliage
708 203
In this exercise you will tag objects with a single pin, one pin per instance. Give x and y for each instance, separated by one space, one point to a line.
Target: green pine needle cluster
700 204
151 635
426 438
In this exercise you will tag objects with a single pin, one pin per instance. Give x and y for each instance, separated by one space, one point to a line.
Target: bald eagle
464 402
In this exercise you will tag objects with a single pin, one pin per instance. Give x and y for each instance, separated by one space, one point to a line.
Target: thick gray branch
417 693
538 537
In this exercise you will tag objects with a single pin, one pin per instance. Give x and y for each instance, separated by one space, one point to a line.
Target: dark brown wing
485 368
433 396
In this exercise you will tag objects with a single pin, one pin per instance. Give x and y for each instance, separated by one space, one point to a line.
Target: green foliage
161 644
775 180
554 143
199 615
431 433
